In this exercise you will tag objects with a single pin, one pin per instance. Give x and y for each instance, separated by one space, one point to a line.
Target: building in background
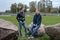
43 4
48 3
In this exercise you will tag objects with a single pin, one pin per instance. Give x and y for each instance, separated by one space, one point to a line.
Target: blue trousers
24 25
34 29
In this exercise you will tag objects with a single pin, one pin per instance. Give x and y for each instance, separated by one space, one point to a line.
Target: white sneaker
31 37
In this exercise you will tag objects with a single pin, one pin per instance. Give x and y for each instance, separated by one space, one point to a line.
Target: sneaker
31 37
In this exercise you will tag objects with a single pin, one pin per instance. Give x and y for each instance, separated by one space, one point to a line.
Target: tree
49 9
7 11
59 9
14 8
32 6
41 6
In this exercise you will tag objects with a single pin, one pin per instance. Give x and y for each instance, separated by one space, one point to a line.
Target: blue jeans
24 25
34 29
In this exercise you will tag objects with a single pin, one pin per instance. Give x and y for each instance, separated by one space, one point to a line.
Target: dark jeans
34 29
24 25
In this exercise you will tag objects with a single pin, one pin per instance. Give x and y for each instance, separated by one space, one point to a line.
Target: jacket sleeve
17 17
24 17
34 19
39 20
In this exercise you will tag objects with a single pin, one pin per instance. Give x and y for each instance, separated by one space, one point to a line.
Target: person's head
21 10
37 11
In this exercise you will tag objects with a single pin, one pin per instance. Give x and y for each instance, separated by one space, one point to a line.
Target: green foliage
32 6
54 11
13 8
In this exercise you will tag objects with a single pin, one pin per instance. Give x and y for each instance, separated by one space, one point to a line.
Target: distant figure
21 19
36 23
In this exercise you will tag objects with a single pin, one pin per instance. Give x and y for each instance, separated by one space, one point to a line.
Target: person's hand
34 24
23 18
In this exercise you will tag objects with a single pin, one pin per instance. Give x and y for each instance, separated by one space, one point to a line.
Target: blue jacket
37 19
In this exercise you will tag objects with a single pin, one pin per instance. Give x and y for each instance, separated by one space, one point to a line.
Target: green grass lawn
46 20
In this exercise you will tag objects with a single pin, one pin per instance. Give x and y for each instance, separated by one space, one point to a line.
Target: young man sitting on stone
36 23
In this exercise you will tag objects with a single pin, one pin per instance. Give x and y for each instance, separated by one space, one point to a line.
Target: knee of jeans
37 28
31 25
